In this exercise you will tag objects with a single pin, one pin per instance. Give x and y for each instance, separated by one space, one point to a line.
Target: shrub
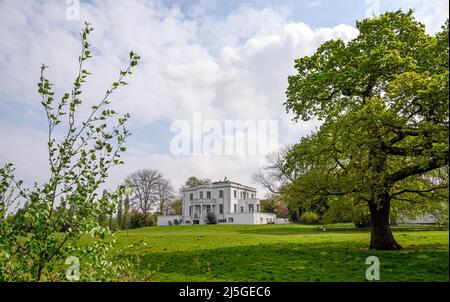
139 220
211 217
333 215
362 221
309 218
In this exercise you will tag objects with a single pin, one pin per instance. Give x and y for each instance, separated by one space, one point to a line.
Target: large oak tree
383 98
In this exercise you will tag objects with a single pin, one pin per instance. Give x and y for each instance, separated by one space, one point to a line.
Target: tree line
147 195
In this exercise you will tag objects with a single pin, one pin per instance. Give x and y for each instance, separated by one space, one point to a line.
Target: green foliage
125 222
120 214
309 218
269 204
176 207
345 209
280 215
139 219
211 218
35 242
383 100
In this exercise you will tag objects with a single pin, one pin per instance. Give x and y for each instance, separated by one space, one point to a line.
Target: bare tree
274 176
164 195
143 184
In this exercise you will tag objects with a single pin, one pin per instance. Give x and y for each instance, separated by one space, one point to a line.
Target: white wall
281 220
251 218
164 220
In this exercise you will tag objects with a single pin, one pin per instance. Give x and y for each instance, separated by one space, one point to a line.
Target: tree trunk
381 237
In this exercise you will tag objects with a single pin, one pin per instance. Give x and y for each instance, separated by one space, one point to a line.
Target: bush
280 215
309 218
211 217
112 224
333 215
362 221
139 220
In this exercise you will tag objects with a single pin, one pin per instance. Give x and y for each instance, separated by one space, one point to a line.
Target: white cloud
25 147
432 13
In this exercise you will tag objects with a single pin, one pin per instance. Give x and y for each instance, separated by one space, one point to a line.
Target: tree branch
420 192
434 163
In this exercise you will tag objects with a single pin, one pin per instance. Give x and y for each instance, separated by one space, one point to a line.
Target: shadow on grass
298 262
296 230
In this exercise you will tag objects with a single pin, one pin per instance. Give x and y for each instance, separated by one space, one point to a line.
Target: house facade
231 202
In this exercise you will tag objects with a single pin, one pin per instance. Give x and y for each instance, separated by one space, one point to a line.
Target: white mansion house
231 202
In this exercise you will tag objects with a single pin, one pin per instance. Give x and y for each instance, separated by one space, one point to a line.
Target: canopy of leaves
383 99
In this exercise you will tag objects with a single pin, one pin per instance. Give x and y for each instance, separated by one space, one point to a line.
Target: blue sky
320 13
225 59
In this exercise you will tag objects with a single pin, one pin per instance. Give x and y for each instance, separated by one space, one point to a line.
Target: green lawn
285 253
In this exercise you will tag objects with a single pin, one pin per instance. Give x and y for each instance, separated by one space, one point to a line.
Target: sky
224 60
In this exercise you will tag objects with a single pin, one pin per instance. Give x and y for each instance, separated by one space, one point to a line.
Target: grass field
285 253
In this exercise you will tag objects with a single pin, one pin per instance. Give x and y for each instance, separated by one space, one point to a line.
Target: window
241 194
250 208
191 196
234 208
208 194
208 208
230 220
190 210
242 209
201 195
220 208
235 194
220 194
257 208
253 195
